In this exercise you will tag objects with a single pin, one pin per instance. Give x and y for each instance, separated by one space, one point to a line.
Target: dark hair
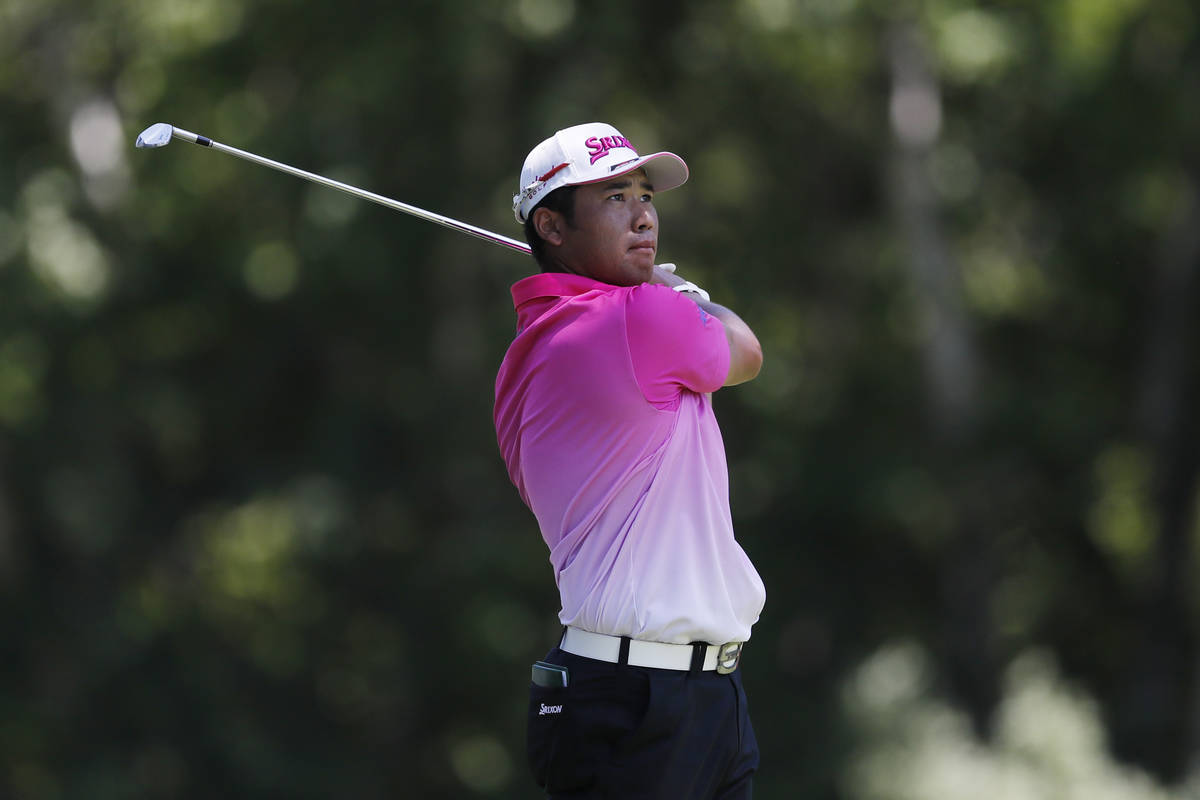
561 200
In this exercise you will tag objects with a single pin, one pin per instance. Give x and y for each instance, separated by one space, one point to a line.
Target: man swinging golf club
604 418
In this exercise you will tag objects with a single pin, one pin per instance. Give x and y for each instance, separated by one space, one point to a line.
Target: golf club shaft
429 216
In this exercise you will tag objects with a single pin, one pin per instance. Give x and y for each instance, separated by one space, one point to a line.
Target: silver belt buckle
728 656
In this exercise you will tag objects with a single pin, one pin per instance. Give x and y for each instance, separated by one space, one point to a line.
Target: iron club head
157 135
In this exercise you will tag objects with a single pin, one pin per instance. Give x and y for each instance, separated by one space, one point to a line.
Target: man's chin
643 266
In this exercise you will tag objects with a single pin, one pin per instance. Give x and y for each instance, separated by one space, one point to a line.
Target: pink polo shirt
604 418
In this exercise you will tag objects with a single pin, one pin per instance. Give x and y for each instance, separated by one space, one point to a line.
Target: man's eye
617 196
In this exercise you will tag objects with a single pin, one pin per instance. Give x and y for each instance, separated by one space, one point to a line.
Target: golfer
604 418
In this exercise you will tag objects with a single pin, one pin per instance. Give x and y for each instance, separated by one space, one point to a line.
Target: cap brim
664 170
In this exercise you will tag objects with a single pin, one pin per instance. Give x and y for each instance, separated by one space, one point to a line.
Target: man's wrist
691 288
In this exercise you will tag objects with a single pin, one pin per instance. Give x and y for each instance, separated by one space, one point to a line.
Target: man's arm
745 353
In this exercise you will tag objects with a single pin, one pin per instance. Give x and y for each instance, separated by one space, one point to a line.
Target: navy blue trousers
634 732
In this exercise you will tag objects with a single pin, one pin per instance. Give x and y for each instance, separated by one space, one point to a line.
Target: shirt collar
553 284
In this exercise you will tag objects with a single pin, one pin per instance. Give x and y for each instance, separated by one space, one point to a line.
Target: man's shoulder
656 306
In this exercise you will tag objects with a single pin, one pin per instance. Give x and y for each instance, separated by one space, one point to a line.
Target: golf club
160 134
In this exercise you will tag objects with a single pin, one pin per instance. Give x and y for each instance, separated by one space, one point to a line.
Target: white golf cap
589 153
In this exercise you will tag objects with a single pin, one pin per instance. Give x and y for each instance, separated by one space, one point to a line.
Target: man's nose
644 219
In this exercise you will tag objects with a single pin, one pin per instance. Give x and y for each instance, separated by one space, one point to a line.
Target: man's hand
664 275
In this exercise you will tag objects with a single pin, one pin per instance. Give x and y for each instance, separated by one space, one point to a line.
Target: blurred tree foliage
255 535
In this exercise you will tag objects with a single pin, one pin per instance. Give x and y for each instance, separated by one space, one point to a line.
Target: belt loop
698 652
623 655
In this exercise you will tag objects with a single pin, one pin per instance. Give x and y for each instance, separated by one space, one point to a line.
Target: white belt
602 647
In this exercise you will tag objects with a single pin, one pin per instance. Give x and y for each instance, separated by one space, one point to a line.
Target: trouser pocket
549 738
575 733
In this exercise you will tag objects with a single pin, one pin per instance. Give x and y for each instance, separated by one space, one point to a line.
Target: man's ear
548 225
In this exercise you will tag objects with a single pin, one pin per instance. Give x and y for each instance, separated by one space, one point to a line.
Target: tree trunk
1157 721
967 574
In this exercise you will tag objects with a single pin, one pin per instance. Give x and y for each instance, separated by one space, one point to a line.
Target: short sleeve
674 344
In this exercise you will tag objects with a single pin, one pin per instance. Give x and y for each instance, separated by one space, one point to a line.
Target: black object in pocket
549 675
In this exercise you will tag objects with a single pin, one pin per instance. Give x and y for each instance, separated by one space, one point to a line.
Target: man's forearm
745 353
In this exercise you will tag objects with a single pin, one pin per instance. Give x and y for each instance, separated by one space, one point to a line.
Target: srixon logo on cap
600 146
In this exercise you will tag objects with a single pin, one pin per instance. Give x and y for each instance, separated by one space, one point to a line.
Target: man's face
615 233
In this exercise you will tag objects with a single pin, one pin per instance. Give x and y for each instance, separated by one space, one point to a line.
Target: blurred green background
256 539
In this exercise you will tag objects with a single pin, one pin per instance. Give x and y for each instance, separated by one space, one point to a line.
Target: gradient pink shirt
604 418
